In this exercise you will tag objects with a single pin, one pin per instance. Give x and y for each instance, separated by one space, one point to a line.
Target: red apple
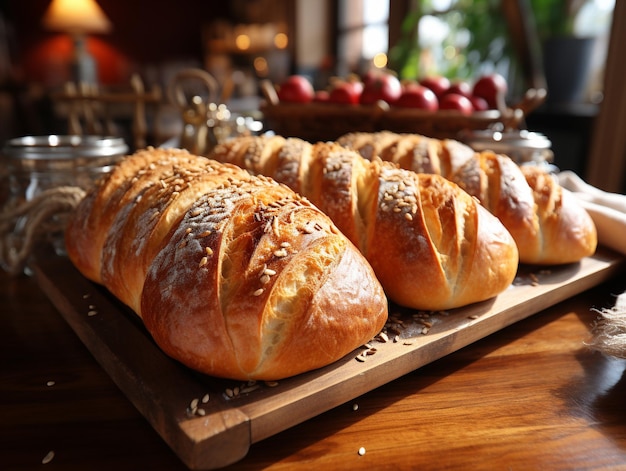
460 87
371 75
479 104
492 88
454 101
345 92
296 89
321 96
437 83
356 84
417 96
381 86
342 94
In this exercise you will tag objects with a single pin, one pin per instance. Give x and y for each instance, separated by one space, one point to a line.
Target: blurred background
49 49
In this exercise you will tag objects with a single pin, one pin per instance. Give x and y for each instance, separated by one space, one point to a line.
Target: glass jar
34 164
524 147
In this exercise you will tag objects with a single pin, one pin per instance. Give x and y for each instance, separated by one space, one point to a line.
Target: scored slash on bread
233 275
431 245
548 226
243 277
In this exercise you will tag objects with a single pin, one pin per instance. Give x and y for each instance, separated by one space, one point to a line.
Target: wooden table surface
531 396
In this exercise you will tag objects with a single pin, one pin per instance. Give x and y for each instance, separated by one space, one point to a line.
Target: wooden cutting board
220 431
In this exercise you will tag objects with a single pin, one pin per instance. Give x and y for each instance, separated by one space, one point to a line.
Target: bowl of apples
434 106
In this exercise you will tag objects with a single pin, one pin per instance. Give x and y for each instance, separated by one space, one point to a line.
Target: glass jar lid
506 140
59 147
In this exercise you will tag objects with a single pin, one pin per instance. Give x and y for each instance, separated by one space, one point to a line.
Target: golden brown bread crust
450 252
133 210
233 275
567 230
118 188
431 245
547 229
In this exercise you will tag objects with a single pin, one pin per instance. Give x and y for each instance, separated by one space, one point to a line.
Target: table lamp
78 18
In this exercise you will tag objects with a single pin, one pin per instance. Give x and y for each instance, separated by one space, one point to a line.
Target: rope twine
609 332
26 224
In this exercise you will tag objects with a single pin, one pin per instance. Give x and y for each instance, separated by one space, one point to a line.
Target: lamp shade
76 16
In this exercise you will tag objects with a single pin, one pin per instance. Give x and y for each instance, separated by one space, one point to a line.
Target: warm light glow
76 16
260 65
243 42
281 40
380 60
449 52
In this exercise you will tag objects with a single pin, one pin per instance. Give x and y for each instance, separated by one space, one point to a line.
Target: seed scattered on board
194 406
49 457
361 451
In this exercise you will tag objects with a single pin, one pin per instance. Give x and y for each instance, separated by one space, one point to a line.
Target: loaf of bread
233 275
431 245
548 226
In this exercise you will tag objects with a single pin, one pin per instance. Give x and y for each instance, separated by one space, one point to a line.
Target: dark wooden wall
145 32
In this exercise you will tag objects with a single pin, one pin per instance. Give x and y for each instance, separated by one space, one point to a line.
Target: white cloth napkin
608 210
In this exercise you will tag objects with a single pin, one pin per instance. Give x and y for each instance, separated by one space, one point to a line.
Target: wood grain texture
530 396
